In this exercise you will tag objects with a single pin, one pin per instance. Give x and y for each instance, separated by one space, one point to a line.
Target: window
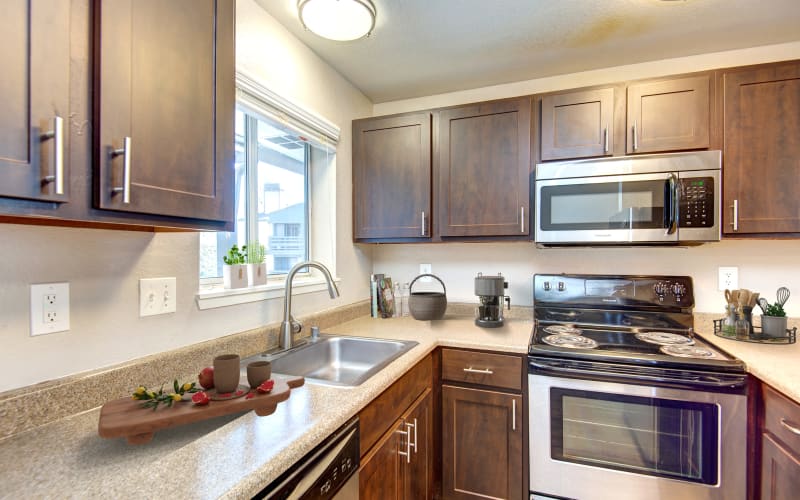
277 146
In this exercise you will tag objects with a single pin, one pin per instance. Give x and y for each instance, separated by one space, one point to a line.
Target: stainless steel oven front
593 439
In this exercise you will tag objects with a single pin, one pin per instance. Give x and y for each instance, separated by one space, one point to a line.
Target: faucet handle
314 332
296 326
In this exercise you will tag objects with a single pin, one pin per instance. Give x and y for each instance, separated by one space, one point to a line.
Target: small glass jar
742 327
729 323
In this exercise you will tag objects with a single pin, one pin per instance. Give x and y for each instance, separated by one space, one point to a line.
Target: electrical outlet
425 269
157 296
49 308
728 278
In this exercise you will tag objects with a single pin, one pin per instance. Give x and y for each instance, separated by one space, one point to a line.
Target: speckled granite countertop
235 456
230 457
776 364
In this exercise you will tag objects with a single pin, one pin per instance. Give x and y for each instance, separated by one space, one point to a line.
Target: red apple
206 377
200 398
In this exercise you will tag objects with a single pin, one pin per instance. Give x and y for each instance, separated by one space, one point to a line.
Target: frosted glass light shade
340 20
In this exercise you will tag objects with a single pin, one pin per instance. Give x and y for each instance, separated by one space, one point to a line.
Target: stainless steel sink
336 360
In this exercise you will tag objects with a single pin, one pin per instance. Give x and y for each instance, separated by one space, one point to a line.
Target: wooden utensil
728 298
754 299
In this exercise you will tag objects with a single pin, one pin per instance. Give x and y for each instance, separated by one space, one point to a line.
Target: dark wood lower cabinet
780 472
482 443
400 465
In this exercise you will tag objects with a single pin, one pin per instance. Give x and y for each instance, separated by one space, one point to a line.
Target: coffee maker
491 294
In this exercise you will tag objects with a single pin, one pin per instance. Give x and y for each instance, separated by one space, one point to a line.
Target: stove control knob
546 286
661 289
561 286
679 289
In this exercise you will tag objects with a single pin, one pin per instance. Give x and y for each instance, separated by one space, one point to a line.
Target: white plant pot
773 326
234 276
257 274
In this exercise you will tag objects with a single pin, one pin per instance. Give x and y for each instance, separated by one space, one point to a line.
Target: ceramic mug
226 373
258 372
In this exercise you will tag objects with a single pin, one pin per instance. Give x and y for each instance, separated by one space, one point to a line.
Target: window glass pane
214 245
281 190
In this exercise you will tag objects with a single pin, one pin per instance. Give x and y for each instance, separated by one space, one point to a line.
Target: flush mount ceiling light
339 20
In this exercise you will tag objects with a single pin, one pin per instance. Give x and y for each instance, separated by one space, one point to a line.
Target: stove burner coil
570 341
664 338
562 329
687 351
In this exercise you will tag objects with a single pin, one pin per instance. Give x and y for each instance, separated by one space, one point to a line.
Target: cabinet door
164 107
483 169
669 115
34 109
392 177
481 444
780 471
418 473
380 475
578 124
761 174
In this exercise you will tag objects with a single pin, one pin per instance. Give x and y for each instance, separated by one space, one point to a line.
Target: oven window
607 205
657 437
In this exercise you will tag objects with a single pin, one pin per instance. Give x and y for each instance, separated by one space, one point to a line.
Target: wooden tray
125 417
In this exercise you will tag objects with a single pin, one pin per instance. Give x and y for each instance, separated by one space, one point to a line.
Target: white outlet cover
157 296
728 278
49 308
425 269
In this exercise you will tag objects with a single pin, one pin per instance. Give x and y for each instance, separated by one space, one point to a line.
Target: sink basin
336 360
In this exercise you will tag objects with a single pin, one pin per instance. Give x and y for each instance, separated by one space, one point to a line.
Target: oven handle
706 382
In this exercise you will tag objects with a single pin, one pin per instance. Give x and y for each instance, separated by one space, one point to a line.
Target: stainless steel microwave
654 199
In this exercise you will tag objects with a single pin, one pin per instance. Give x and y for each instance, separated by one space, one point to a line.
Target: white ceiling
425 47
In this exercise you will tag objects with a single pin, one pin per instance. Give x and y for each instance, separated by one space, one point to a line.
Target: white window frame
259 102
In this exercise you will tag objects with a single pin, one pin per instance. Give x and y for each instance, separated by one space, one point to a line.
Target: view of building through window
271 197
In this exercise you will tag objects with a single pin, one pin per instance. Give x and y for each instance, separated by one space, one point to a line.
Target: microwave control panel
696 202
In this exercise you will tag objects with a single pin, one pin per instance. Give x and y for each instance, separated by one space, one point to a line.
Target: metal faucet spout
289 326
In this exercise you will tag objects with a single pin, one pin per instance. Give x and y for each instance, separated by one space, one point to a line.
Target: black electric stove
633 321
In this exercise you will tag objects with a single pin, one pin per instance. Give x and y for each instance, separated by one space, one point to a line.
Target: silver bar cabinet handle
57 134
635 136
125 152
735 222
410 426
423 223
521 219
792 429
406 453
513 414
484 371
416 429
605 139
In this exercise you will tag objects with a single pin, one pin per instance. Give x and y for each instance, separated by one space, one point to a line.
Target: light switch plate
157 296
49 308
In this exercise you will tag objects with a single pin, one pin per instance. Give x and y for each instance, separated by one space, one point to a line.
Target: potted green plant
233 270
773 321
256 267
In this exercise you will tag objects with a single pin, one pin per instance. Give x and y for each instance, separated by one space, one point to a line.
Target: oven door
636 208
598 440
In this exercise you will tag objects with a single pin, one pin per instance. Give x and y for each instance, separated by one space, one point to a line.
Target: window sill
211 297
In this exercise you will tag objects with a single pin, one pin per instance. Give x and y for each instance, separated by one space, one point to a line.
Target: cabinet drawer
782 418
498 370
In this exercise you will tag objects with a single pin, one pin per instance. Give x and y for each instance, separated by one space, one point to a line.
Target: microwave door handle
671 198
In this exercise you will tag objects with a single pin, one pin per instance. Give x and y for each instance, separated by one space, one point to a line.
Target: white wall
103 267
763 265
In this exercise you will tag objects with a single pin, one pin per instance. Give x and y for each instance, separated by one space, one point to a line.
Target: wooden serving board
125 417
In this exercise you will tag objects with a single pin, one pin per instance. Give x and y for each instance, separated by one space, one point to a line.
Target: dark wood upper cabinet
761 171
669 115
577 124
34 108
392 177
483 166
164 107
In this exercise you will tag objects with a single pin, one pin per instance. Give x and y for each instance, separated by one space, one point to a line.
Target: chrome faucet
289 326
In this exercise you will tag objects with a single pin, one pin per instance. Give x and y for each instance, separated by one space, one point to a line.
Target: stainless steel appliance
491 292
653 199
329 472
625 401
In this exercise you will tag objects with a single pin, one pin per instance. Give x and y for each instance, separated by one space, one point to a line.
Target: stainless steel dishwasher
329 471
